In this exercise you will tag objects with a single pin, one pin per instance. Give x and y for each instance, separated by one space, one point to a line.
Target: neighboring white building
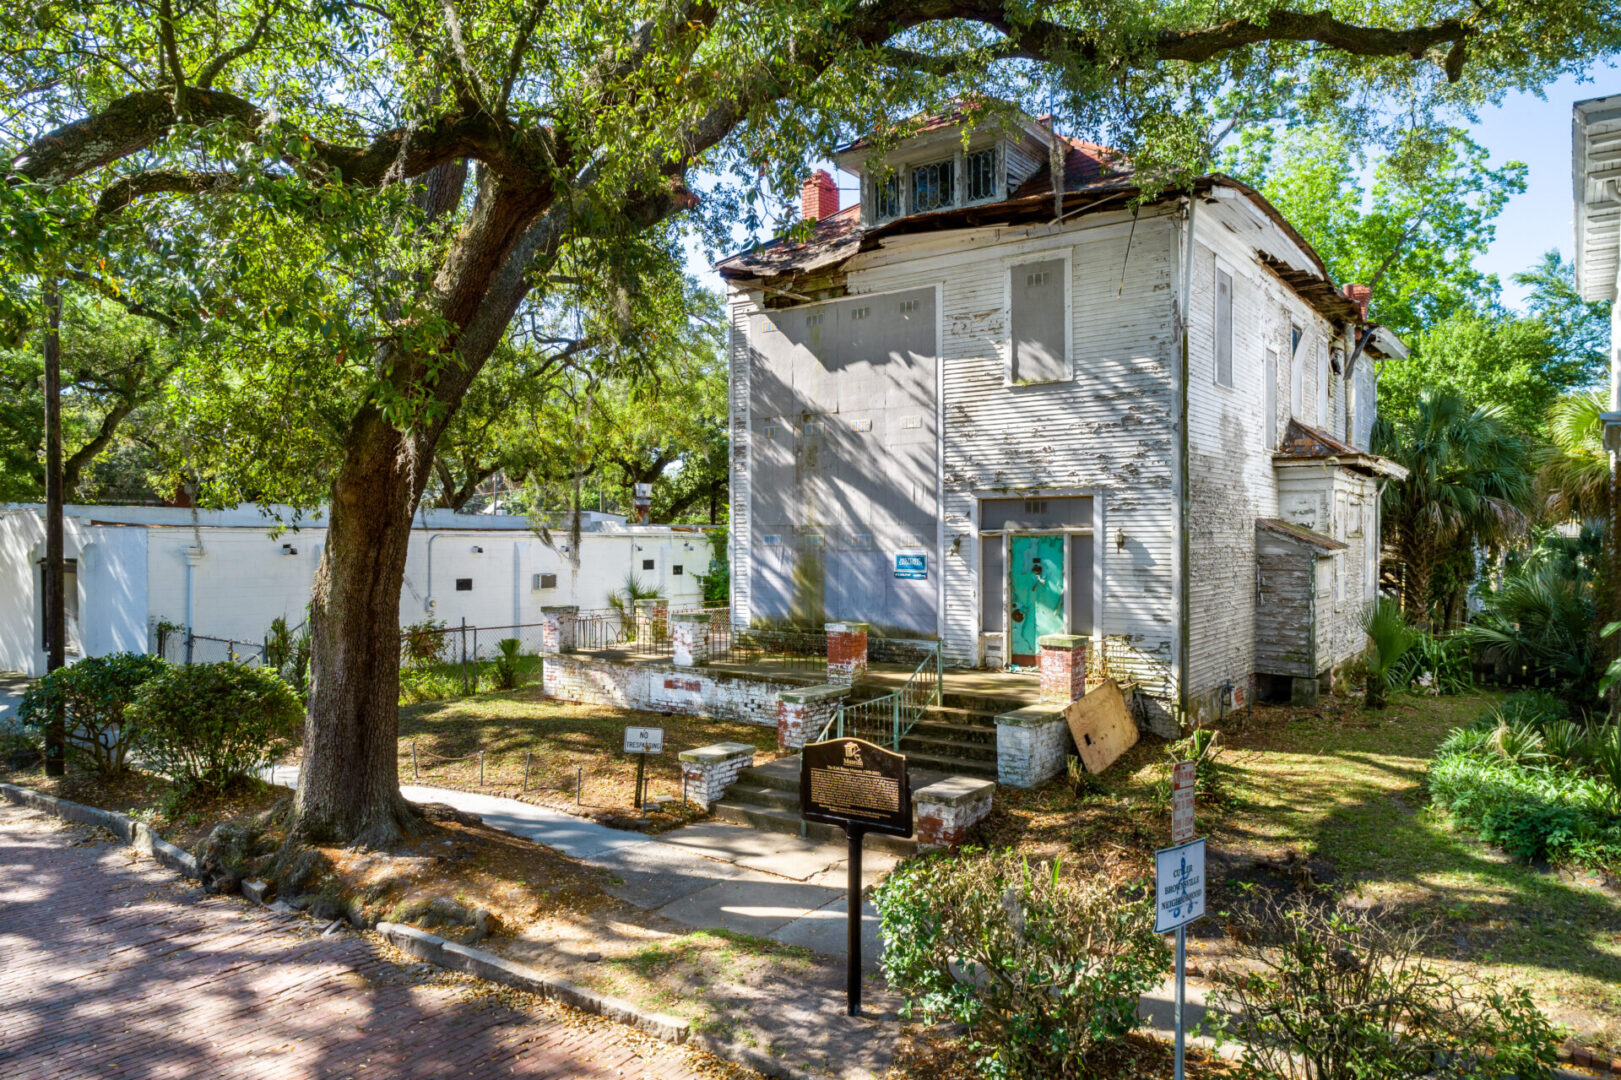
976 410
1596 175
227 573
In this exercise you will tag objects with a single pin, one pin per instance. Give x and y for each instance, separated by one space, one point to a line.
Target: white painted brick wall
1028 756
661 688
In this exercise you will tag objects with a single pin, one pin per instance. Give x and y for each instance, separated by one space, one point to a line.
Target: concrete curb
433 949
134 833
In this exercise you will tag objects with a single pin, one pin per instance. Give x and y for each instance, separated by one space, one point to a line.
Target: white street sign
644 740
1182 802
1178 885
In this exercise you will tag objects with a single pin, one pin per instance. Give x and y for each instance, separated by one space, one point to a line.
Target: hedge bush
1331 993
93 696
1536 810
206 725
1040 969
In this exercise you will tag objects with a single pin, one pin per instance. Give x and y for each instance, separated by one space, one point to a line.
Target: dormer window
888 200
934 186
982 175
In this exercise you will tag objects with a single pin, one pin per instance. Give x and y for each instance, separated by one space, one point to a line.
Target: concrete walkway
12 687
708 876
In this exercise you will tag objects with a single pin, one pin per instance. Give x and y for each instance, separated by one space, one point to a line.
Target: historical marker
862 788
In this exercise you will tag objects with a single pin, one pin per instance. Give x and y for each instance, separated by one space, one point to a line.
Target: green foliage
1331 993
506 669
1538 629
205 725
287 653
423 643
1573 468
1435 664
1468 486
1389 638
1411 227
93 696
717 580
1040 968
1211 777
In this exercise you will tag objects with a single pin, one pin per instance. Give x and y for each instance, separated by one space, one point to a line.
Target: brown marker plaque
858 785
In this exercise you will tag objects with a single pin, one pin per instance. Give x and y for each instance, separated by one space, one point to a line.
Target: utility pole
55 613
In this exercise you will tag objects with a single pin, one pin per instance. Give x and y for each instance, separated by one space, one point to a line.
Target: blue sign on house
914 566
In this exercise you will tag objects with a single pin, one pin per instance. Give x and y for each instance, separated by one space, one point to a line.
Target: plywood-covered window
1269 401
1080 602
1040 322
1323 417
1224 328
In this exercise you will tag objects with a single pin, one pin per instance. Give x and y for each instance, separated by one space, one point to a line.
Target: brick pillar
1063 667
846 652
803 713
689 637
708 771
557 628
946 810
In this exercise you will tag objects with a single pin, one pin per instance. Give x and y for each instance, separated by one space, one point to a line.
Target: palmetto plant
1468 484
1540 625
1573 469
623 602
1390 638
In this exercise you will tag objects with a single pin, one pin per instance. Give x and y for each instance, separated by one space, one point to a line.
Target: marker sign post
642 741
1179 896
862 788
1182 801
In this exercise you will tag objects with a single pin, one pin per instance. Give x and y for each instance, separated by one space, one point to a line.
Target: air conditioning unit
538 582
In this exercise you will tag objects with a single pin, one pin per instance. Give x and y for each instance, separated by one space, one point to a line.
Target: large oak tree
396 179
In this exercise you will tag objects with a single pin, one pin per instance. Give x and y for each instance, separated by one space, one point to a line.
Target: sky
1524 128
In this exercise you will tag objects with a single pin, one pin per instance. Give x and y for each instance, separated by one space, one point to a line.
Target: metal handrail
897 711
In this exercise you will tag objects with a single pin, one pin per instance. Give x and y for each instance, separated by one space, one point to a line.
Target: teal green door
1035 594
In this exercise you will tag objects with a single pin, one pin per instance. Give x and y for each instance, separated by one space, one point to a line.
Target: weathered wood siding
1285 590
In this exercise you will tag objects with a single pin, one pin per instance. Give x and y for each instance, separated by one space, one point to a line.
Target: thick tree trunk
348 785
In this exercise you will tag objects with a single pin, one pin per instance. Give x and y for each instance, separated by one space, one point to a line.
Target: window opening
981 166
933 186
887 197
464 584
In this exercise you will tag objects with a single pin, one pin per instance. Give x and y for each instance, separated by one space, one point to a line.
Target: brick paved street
111 967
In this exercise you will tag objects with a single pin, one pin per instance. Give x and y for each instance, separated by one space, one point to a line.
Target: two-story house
979 406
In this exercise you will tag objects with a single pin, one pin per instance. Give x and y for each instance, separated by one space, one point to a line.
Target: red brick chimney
818 196
1359 295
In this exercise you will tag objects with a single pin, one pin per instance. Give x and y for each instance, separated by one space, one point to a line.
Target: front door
1035 594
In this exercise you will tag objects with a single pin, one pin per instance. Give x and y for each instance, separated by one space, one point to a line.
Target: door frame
1099 562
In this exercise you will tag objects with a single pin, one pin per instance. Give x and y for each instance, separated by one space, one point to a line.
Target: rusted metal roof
1304 444
1303 440
1303 535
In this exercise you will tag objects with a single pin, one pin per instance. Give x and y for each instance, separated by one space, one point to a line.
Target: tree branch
106 290
211 70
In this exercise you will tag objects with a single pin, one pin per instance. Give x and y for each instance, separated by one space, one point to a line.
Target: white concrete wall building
228 573
1085 418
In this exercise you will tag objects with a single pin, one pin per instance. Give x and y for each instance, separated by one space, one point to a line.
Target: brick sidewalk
111 967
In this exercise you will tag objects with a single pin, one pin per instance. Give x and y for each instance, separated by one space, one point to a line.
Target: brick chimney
1359 295
818 196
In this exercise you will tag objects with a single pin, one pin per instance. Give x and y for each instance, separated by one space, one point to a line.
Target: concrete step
763 795
775 819
939 729
918 743
967 717
951 766
981 703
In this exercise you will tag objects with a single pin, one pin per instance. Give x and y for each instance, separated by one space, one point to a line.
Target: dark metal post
413 761
56 740
481 768
526 754
852 947
641 766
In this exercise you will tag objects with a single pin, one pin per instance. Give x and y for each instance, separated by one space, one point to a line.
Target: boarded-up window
1080 584
1269 401
1039 338
1297 371
992 583
1323 416
1224 328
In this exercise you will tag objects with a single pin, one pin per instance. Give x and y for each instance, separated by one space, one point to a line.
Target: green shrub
287 653
421 644
1533 810
205 725
508 659
1389 639
1435 663
1038 968
1322 993
92 696
1211 775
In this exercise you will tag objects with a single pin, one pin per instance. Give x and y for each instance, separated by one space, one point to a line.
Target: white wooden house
975 409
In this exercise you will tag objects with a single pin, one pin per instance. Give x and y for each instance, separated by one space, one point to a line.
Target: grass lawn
559 739
1336 794
1347 787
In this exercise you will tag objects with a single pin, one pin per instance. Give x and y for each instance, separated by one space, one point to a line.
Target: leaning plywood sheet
1102 727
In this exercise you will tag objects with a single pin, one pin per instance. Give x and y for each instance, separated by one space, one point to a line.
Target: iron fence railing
182 647
792 649
886 720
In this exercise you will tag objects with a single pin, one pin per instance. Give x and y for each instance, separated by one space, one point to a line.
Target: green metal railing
886 720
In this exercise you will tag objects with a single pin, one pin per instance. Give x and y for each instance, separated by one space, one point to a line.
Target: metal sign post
642 741
1179 890
862 788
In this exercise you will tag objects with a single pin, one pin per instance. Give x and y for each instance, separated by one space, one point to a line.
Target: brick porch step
954 766
959 750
